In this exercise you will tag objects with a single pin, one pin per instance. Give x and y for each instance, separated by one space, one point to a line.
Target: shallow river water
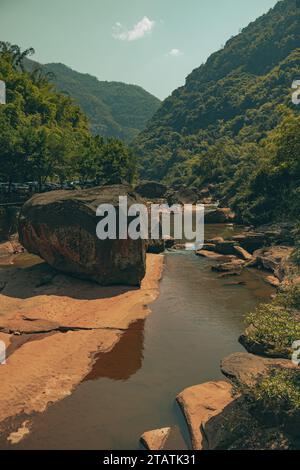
195 322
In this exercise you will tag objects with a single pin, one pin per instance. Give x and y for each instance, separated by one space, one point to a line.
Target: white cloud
143 27
175 52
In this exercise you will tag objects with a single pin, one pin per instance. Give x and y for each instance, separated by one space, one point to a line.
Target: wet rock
151 189
202 403
219 216
247 369
60 227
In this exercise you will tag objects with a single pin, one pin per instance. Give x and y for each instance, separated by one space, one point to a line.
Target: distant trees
44 135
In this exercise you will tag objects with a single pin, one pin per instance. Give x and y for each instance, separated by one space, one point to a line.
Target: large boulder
60 227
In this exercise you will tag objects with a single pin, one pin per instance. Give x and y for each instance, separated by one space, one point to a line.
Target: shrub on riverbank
289 298
275 326
277 393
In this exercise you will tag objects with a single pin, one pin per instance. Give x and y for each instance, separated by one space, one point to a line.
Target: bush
289 297
278 392
275 326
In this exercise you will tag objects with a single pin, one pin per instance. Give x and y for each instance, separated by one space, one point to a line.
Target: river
195 322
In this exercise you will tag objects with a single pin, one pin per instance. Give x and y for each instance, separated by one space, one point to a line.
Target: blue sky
151 43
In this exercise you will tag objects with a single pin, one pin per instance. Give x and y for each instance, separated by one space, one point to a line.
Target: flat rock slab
200 404
42 371
246 369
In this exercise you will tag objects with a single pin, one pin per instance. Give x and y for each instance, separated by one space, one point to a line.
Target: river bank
53 325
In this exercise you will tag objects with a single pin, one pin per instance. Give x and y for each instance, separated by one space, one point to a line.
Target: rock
209 247
200 404
273 281
233 266
236 283
214 256
164 439
230 274
253 263
226 248
207 201
274 259
179 246
219 216
155 440
169 243
183 196
60 227
155 246
251 241
242 253
151 189
214 241
205 192
247 369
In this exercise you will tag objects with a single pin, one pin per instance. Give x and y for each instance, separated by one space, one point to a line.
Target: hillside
212 129
114 109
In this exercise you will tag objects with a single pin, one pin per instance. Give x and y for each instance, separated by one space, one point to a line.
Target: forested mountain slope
213 129
114 109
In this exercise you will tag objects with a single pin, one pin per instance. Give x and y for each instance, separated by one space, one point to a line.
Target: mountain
231 102
114 109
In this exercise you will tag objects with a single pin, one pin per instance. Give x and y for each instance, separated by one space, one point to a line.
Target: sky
151 43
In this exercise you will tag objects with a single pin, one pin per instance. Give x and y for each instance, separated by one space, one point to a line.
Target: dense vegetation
234 123
114 109
276 326
44 134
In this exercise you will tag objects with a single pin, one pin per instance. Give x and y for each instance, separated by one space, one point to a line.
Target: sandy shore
53 325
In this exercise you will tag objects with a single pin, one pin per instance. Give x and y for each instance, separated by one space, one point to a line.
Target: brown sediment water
195 322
